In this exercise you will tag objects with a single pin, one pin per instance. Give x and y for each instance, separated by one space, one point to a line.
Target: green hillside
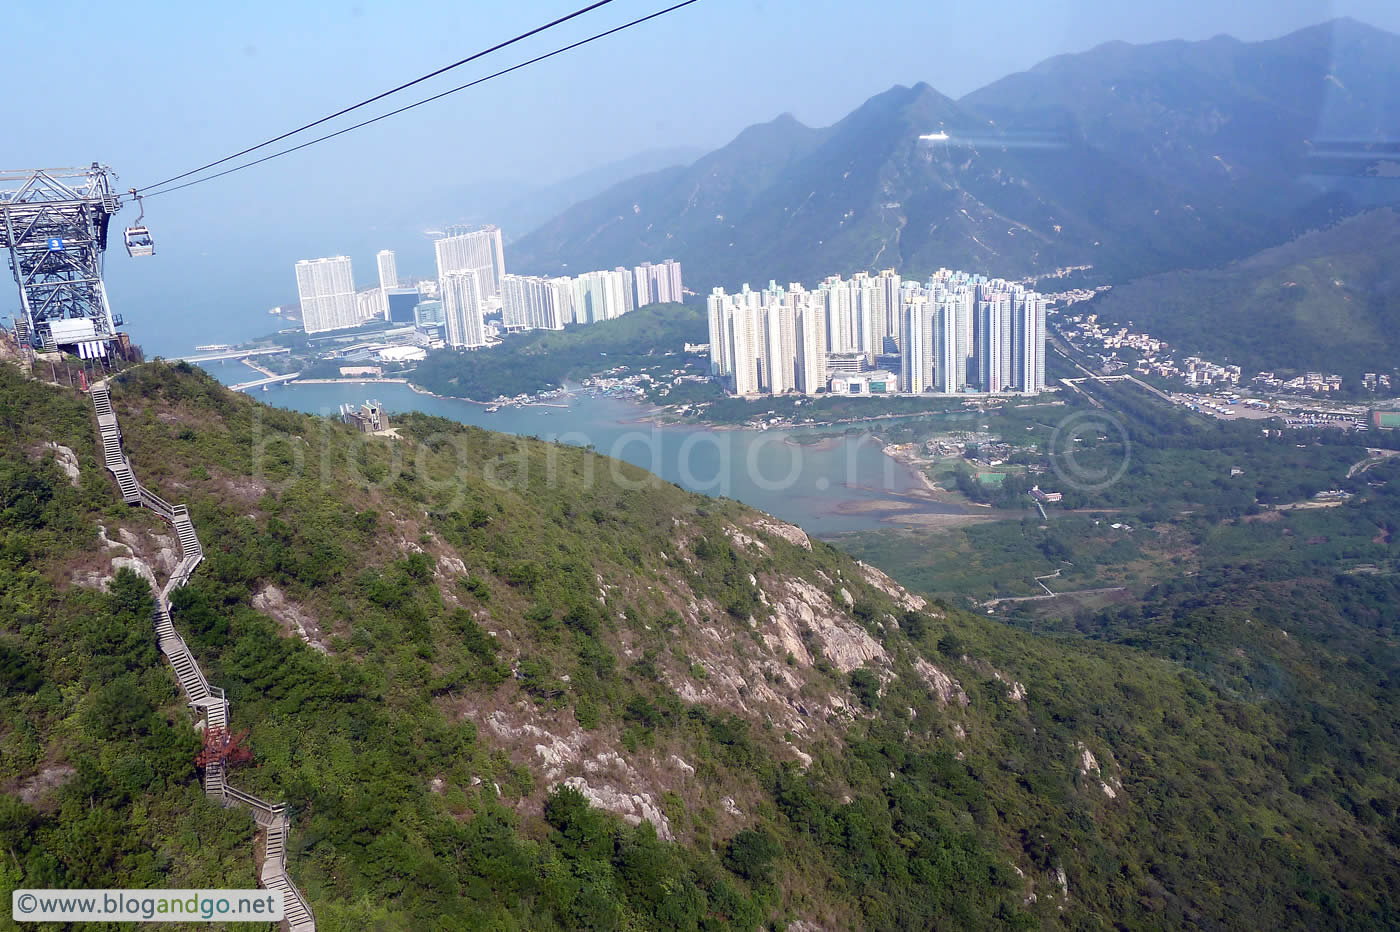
544 359
446 645
1329 300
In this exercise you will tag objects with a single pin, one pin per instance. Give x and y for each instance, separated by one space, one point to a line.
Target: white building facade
956 332
464 309
326 289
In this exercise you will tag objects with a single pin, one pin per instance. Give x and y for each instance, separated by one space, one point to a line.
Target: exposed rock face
1087 761
1089 767
141 567
947 689
31 791
798 605
791 533
783 637
633 807
891 588
744 540
448 565
67 461
272 602
1015 691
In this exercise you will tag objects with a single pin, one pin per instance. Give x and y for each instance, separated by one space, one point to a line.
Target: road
992 603
1374 457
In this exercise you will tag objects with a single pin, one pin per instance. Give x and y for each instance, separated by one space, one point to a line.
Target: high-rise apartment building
531 303
388 269
950 365
326 289
810 369
892 305
372 304
779 349
464 309
956 332
916 347
717 306
478 250
742 323
993 343
1028 357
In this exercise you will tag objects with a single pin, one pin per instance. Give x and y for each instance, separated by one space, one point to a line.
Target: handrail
157 504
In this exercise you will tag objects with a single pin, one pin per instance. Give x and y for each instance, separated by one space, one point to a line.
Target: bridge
237 354
269 380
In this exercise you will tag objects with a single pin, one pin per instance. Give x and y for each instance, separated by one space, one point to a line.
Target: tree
223 747
751 854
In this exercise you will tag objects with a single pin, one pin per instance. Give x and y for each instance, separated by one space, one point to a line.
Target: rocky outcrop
747 541
138 566
47 780
271 601
1089 767
891 588
67 461
791 533
800 606
632 807
944 687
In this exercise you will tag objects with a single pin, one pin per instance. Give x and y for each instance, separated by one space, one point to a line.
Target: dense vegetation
1230 807
1288 610
543 359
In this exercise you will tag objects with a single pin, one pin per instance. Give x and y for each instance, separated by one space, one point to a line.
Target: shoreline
934 490
412 386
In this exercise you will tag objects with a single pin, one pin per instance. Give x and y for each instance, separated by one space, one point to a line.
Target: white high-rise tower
478 250
464 308
388 269
326 288
916 347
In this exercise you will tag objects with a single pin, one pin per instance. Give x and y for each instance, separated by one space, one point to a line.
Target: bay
824 485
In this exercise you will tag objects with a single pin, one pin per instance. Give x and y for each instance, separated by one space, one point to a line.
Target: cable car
138 238
139 242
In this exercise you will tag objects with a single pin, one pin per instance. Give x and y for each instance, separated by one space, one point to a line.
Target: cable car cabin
139 242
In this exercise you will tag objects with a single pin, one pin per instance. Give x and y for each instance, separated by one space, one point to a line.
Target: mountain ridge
1076 161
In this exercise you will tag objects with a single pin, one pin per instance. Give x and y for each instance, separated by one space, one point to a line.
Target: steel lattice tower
54 224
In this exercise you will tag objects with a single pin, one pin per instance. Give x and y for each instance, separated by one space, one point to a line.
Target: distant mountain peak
1130 158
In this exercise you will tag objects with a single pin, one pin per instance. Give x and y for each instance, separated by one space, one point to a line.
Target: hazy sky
155 88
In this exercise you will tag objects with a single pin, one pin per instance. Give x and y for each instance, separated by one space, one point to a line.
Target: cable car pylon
53 226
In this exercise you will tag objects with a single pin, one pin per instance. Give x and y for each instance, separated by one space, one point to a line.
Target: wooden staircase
198 693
